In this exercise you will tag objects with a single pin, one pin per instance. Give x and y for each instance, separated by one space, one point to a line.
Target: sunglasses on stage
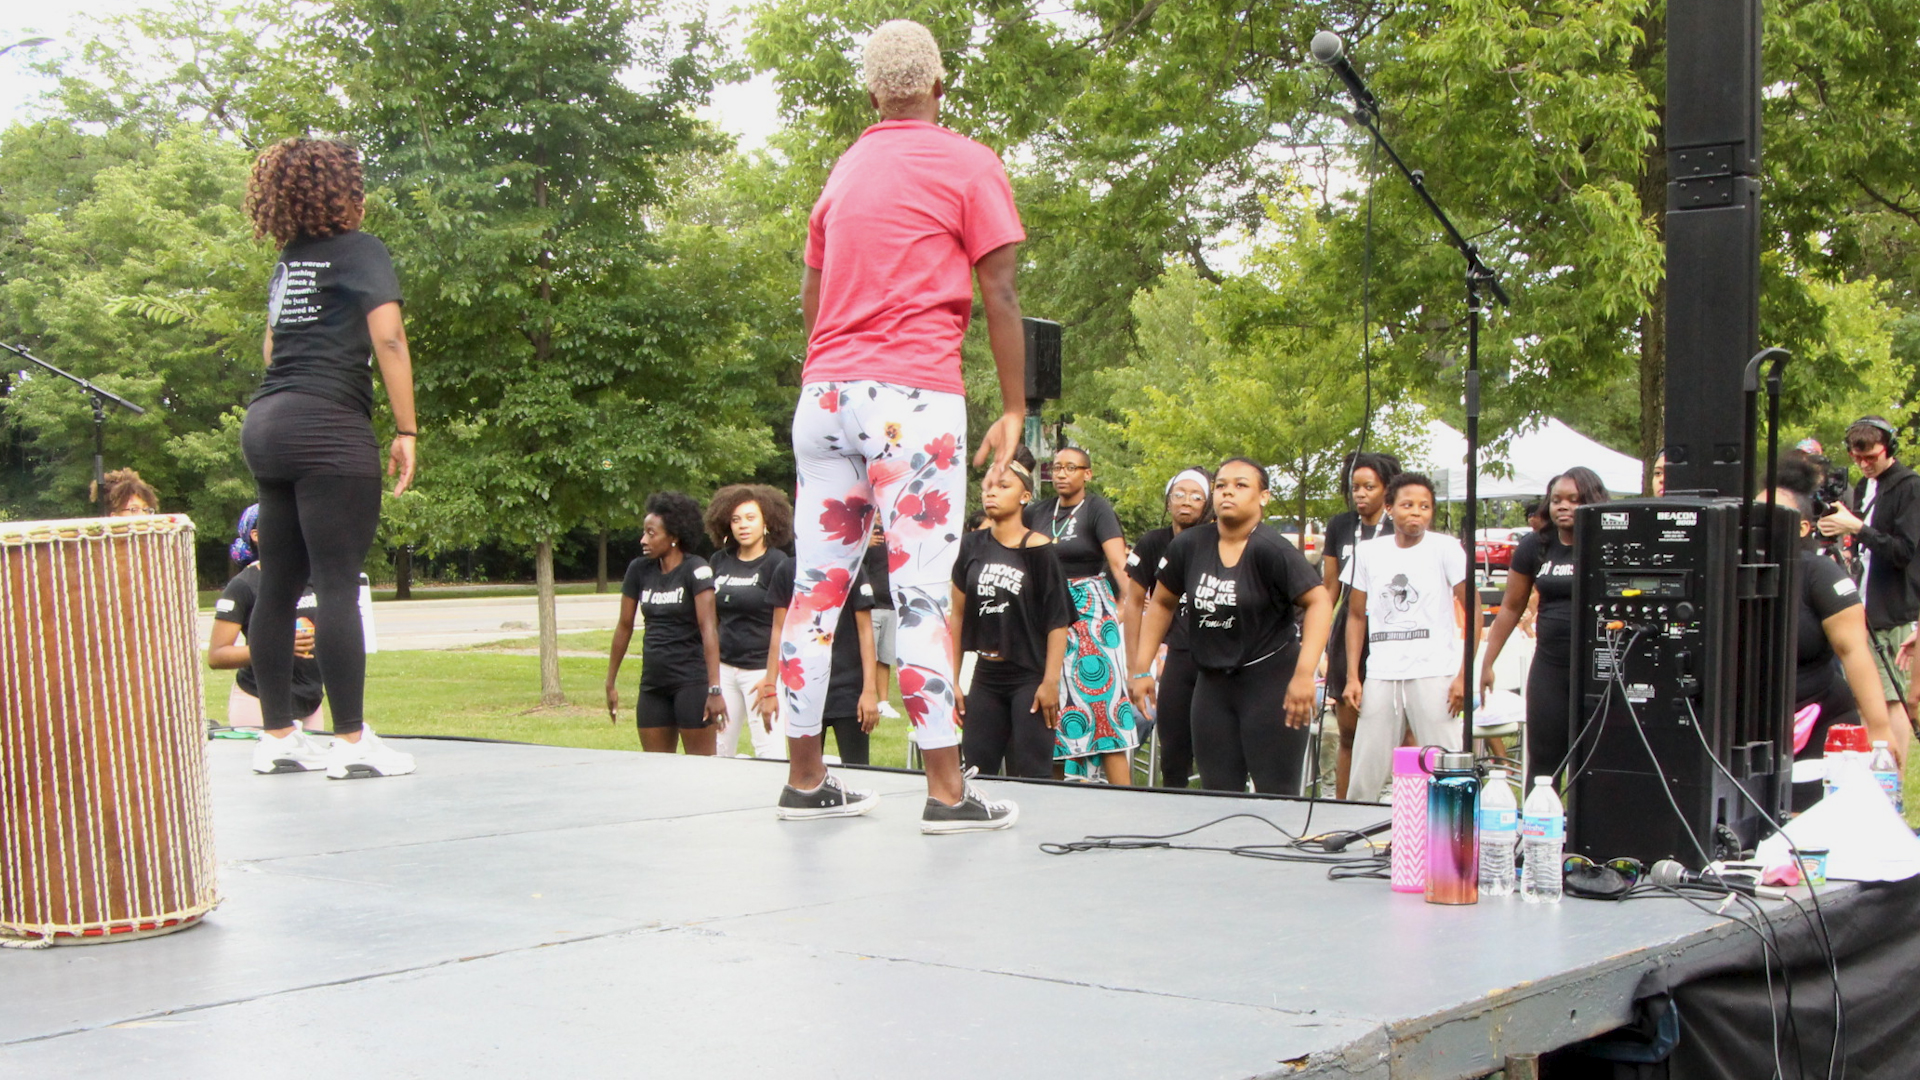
1609 880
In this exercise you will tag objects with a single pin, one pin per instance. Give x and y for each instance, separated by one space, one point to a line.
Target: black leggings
852 743
1549 715
1173 718
315 529
1240 727
1001 734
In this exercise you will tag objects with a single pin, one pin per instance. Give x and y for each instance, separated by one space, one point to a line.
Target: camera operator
1833 653
1885 531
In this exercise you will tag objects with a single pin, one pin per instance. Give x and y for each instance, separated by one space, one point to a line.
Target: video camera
1832 492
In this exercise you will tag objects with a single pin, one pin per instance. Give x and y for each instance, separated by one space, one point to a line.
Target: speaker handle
1750 386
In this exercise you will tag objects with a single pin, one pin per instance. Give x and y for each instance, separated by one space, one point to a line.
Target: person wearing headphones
1886 531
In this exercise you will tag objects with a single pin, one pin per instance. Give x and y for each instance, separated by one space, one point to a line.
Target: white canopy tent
1539 451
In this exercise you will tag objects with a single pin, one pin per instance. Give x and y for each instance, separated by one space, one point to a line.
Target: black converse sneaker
830 799
974 814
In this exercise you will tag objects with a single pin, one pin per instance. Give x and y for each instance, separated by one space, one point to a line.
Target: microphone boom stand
101 397
1479 276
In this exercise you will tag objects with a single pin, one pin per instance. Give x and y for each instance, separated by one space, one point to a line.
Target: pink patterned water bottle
1409 860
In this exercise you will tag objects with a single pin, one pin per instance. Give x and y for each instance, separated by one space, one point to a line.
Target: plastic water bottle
1543 832
1499 831
1888 774
1845 743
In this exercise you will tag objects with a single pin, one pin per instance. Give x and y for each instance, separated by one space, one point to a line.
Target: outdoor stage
523 911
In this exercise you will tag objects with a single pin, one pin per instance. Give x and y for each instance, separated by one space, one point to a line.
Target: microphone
1330 51
1673 875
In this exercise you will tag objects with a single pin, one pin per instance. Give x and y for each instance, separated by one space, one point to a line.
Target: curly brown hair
775 510
125 485
306 187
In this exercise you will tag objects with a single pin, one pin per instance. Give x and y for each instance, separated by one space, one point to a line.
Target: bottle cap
1540 780
1496 774
1455 761
1879 744
1406 761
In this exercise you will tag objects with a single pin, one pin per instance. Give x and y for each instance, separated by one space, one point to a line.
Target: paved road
449 624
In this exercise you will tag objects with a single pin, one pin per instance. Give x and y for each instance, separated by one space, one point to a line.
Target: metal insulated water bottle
1453 834
1408 861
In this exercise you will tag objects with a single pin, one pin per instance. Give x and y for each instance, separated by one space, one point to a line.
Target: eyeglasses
1069 467
1187 496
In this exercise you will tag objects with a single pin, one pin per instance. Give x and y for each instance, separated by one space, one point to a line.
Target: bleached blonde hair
901 64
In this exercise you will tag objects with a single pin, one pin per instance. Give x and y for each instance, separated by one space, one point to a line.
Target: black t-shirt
317 307
1550 564
1143 566
1825 591
236 606
1015 597
1345 531
740 595
845 677
1243 613
879 575
671 653
1078 532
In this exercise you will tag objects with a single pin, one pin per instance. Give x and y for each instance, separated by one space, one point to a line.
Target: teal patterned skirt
1096 716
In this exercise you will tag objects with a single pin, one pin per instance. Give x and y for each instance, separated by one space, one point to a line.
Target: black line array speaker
1683 653
1043 359
1713 235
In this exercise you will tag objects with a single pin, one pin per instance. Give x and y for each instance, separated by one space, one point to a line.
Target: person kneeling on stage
1405 588
1257 621
1834 673
680 700
225 653
852 708
1011 610
1189 503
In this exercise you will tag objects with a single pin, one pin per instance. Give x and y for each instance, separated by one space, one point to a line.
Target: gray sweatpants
1388 708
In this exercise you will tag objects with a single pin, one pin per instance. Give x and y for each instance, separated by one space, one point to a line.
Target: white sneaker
887 710
367 758
298 752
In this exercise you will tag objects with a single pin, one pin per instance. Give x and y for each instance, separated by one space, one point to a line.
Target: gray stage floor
533 911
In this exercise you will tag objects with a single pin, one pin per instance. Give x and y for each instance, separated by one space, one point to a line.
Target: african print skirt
1096 716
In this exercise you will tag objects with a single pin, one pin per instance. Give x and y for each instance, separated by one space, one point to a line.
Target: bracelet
397 433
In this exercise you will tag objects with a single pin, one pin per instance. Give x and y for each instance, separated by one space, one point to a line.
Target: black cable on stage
1836 1057
1769 950
1297 848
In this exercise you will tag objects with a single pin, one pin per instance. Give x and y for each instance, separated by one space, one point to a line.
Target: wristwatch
713 691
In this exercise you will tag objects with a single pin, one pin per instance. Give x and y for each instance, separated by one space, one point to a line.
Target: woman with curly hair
127 495
749 524
333 305
680 702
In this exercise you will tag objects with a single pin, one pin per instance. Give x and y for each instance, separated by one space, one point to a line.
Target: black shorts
683 707
1337 655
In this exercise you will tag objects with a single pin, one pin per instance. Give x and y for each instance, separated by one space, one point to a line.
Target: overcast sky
746 110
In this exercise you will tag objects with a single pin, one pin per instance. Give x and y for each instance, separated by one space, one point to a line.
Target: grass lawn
486 694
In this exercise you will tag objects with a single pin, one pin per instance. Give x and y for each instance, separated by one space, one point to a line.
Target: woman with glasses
1096 719
1188 504
1543 562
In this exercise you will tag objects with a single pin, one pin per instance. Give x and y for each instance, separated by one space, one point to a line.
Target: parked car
1493 549
1310 548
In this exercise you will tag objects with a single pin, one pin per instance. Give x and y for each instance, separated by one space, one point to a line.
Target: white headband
1194 475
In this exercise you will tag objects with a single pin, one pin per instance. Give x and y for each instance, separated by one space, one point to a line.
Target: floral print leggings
863 448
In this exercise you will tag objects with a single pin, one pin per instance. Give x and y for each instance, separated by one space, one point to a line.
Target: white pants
243 710
736 688
1388 708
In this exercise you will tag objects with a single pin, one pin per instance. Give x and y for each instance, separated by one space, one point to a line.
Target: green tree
150 283
568 363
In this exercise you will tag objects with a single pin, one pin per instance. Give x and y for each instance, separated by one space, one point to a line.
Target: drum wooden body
105 823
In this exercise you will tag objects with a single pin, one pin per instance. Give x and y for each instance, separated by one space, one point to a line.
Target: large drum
105 825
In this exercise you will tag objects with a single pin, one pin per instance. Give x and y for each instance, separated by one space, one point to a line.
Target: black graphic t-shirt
1550 564
1825 591
845 677
317 307
1015 597
1143 566
879 575
1078 532
670 650
236 606
741 597
1242 613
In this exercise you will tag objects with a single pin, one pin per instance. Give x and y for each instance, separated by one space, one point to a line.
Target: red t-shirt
907 212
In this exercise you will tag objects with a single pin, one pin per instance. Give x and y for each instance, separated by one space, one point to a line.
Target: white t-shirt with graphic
1411 632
